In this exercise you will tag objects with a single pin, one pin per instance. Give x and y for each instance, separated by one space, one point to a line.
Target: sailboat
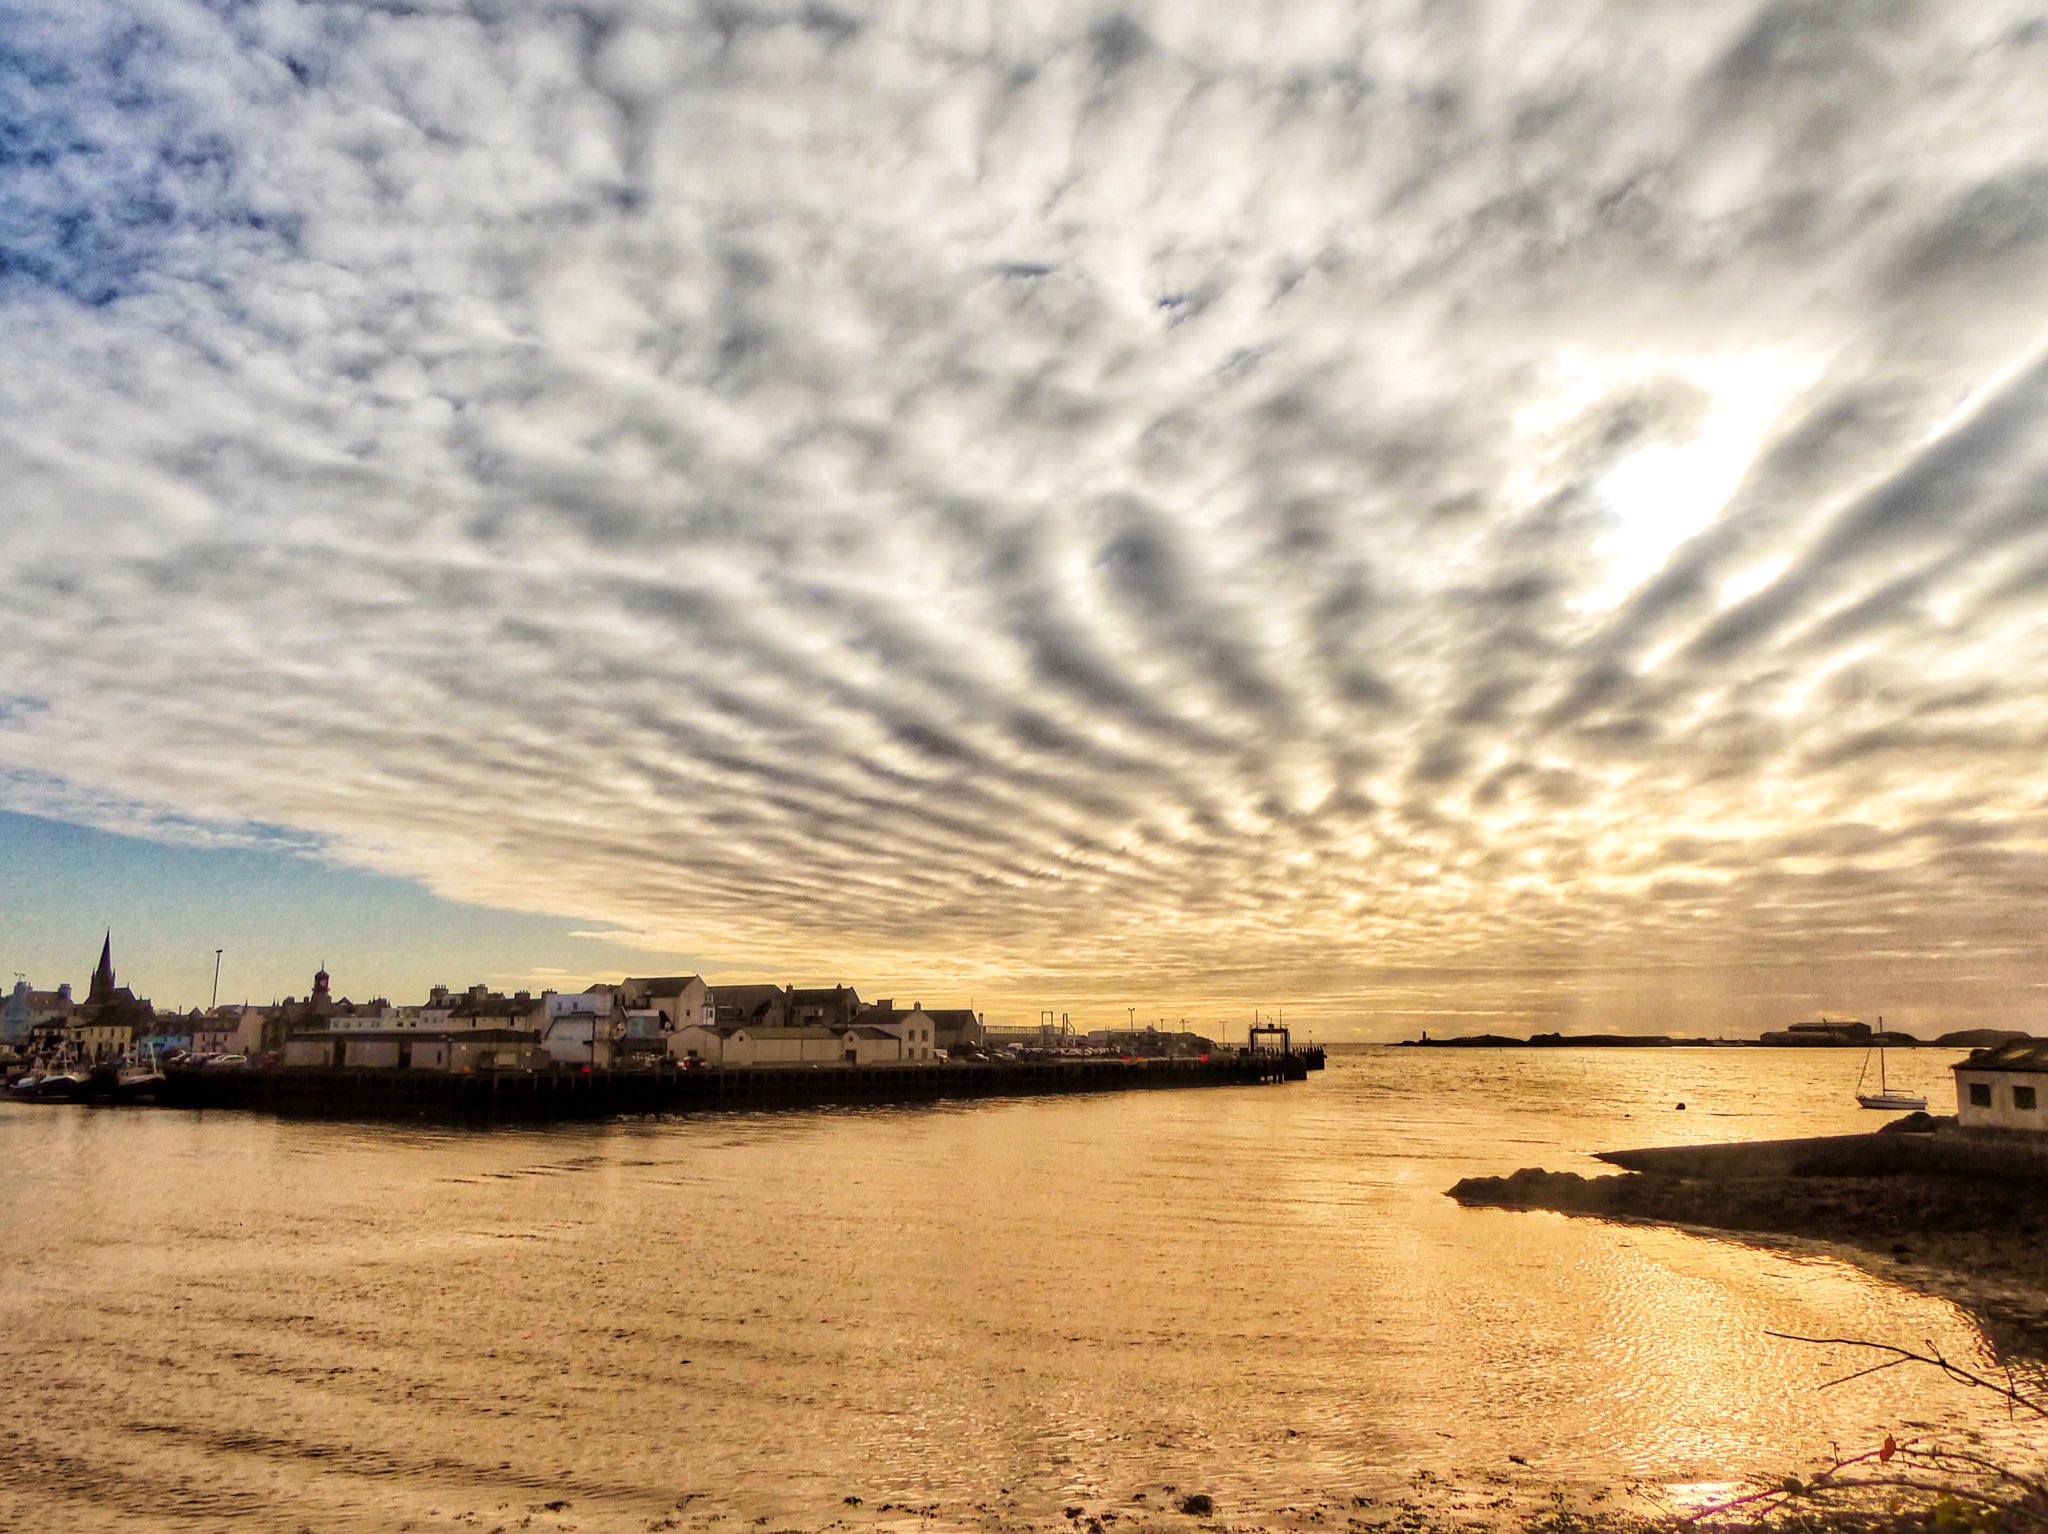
1884 1096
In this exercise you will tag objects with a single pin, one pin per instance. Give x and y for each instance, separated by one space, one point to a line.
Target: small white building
709 1044
2005 1087
583 1028
914 1029
734 1045
863 1045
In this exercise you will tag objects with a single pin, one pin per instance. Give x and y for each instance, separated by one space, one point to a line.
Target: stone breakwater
539 1096
1960 1214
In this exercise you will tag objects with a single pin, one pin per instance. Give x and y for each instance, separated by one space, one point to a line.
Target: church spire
103 977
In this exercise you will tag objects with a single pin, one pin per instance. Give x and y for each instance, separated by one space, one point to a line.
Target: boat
1884 1096
138 1081
63 1084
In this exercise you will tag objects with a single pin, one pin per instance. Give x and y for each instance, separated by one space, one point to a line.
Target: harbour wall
538 1096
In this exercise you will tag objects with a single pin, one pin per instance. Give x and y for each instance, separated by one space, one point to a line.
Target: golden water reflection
992 1311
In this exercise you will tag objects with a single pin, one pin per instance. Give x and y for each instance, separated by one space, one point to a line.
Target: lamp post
216 980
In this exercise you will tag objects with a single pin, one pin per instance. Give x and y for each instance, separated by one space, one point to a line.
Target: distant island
1824 1034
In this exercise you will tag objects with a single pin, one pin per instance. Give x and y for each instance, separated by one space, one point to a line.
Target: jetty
534 1096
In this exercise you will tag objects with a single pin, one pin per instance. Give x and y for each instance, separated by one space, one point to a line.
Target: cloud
1381 505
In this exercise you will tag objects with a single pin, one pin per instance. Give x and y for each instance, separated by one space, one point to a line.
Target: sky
1425 515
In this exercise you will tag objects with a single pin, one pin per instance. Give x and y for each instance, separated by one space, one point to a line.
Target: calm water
988 1313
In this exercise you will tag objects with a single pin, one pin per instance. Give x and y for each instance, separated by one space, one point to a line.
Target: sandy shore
1979 1240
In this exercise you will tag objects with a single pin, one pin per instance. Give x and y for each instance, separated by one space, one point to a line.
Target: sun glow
1663 493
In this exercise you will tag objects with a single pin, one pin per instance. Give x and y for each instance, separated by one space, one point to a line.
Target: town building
2005 1087
835 1008
106 1025
467 1049
478 1008
671 1000
914 1029
956 1028
583 1028
741 1044
169 1033
26 1010
758 1006
229 1029
319 1010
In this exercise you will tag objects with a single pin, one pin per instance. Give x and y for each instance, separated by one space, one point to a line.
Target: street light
216 980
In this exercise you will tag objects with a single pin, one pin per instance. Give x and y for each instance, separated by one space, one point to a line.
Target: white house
229 1030
915 1029
2004 1087
674 1000
371 1017
27 1009
583 1028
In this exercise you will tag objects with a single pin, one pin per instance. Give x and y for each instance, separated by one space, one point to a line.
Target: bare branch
1932 1358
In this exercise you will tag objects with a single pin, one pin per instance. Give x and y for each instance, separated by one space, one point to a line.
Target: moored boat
63 1084
1885 1097
138 1082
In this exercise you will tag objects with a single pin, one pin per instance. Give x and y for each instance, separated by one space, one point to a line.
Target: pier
546 1095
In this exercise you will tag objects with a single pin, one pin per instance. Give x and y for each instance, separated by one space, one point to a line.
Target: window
2023 1099
1980 1094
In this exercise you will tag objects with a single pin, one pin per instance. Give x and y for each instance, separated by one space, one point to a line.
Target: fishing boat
138 1081
1884 1096
63 1083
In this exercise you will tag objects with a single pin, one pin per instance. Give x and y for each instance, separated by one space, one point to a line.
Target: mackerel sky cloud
1428 513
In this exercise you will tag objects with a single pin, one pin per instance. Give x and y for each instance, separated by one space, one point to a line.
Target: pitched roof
747 1000
878 1016
658 985
793 1033
2019 1055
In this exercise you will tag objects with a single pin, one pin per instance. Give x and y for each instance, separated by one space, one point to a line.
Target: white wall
916 1030
882 1051
568 1040
774 1051
2002 1112
712 1047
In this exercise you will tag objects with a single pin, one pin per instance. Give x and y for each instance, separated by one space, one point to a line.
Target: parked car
227 1063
